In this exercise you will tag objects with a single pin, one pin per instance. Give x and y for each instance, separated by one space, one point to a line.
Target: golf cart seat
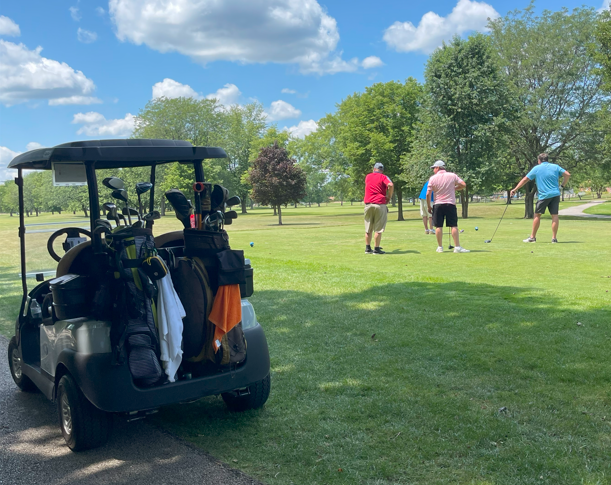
170 239
75 260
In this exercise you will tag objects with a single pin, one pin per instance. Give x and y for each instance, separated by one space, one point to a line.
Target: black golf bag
133 333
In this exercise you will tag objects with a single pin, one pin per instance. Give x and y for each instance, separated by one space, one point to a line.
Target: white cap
438 163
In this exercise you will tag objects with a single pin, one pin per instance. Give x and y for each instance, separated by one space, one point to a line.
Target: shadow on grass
398 251
410 377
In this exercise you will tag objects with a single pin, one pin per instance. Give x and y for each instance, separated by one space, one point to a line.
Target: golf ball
476 228
252 244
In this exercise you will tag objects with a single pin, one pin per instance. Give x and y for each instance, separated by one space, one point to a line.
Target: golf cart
88 334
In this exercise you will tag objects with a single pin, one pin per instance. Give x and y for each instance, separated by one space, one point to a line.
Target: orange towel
226 311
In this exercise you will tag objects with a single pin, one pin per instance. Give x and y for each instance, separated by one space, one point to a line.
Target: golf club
235 200
181 206
130 211
198 188
141 188
450 238
111 210
113 183
150 218
121 194
487 241
137 224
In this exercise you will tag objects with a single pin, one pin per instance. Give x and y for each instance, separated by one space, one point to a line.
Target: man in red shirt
378 191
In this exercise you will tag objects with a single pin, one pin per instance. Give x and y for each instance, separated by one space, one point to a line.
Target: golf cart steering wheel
70 232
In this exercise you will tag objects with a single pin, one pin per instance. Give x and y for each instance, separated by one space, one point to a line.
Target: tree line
488 106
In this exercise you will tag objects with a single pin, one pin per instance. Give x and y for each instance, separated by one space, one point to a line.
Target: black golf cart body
49 349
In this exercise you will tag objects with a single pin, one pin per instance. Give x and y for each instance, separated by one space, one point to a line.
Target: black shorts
551 204
447 212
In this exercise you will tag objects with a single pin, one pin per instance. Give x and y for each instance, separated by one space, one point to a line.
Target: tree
554 81
377 126
602 50
276 179
469 102
245 126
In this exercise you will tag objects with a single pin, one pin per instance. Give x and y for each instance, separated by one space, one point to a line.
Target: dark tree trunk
318 204
400 203
244 206
85 211
59 211
341 202
252 204
393 199
162 206
351 202
465 203
508 197
279 215
36 210
11 213
295 205
275 211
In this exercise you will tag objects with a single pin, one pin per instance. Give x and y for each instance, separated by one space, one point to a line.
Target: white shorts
424 211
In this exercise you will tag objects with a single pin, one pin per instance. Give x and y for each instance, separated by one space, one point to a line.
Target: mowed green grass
415 367
600 209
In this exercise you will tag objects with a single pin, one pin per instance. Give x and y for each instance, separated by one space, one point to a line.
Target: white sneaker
530 239
440 249
458 249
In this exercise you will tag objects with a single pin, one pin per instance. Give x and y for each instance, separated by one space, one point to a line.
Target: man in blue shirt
546 177
424 211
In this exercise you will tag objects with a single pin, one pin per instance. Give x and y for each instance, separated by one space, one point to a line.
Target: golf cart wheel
253 397
82 424
15 361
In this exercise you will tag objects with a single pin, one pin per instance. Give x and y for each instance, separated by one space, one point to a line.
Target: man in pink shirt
445 184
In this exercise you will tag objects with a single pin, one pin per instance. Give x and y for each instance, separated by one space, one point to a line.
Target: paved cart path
32 449
577 211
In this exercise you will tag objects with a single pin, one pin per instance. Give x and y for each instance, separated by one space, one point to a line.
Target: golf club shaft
497 226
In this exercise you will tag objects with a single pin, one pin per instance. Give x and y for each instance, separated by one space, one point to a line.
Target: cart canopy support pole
152 192
24 283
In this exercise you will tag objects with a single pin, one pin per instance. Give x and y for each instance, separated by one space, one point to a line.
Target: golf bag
196 280
133 334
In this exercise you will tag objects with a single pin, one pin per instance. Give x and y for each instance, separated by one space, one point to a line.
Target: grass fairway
600 209
414 367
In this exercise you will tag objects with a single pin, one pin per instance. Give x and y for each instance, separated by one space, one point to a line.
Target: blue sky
73 70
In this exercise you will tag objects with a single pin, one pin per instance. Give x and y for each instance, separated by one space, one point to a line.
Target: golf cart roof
116 154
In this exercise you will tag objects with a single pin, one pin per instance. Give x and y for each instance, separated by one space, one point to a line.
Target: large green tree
377 126
554 80
470 106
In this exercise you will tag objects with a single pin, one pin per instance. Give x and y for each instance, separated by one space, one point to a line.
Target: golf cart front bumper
111 388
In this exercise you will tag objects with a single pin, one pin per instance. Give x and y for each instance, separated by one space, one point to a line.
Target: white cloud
227 95
281 110
8 27
6 155
33 145
247 31
433 30
75 14
371 62
74 100
303 129
25 75
95 124
85 36
100 12
288 91
605 6
171 89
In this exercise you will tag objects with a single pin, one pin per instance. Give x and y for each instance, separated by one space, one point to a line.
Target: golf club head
181 206
137 225
120 217
231 215
113 183
235 200
103 223
129 211
120 194
142 187
487 241
109 206
152 216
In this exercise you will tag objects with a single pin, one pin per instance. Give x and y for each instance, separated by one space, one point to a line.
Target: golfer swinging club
378 192
546 177
444 184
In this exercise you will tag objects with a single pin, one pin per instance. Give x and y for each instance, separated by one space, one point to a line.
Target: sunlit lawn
413 367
